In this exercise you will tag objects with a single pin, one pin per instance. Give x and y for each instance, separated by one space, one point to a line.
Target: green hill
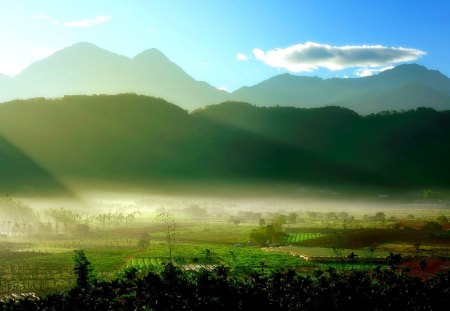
136 139
409 148
19 173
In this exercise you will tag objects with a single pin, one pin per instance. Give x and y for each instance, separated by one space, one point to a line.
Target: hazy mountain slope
133 138
90 135
297 91
406 97
87 69
20 173
284 90
6 87
411 147
403 75
156 75
290 90
130 138
4 78
80 69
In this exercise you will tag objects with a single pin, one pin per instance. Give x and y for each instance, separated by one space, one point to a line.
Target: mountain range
135 139
85 69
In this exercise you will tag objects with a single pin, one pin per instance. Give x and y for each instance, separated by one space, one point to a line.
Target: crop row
302 236
143 263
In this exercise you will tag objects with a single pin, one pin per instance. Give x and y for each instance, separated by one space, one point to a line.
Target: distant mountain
405 97
87 69
388 90
4 78
138 139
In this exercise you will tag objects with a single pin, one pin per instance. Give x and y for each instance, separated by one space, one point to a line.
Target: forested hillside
143 139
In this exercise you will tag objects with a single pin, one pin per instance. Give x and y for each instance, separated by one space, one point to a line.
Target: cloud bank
311 56
90 22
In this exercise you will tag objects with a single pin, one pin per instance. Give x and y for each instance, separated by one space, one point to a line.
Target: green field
36 252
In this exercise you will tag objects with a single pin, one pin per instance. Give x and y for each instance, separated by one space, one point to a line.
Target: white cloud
366 72
10 69
90 22
47 18
241 57
203 64
311 56
223 88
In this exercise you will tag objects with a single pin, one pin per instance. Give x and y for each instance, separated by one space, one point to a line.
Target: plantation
37 251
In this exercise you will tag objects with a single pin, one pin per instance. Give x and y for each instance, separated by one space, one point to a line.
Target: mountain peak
83 46
406 69
151 54
83 49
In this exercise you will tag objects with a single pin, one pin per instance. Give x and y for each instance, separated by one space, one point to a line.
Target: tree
343 215
442 220
393 260
352 257
208 254
235 220
168 224
82 269
267 234
143 241
262 222
423 264
279 220
380 216
432 228
337 245
369 252
292 218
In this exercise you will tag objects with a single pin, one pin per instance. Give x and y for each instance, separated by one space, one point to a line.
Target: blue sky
234 43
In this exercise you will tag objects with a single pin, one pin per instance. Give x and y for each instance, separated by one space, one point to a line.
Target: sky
230 44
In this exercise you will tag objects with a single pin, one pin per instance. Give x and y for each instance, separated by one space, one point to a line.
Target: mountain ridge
86 69
310 92
140 139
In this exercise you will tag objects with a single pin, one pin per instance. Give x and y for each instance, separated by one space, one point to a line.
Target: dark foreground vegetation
220 289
